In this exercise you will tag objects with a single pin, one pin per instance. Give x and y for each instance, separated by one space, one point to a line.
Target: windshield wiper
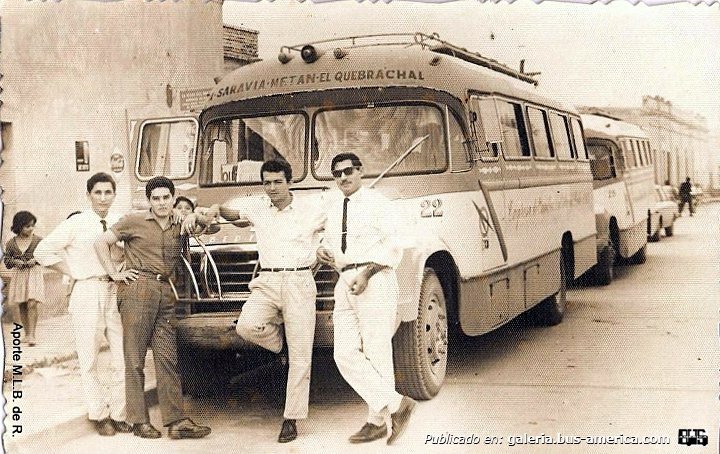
407 152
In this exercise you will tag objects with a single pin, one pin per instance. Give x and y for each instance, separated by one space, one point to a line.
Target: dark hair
73 214
344 157
159 182
21 220
182 198
100 177
277 165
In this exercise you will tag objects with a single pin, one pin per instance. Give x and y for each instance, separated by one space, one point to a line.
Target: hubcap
435 335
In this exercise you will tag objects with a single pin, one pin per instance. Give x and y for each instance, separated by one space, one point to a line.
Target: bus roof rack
431 42
598 112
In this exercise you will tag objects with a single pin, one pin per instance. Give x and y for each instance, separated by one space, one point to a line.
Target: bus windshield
234 149
379 136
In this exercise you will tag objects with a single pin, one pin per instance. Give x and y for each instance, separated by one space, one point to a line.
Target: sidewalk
51 408
55 344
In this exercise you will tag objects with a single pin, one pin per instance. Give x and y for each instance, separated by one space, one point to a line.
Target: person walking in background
360 244
27 284
147 308
685 194
70 250
284 291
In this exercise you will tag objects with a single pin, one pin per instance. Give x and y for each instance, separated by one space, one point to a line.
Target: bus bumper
216 330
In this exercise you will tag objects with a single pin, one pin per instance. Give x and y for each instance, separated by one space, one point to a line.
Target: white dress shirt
286 238
73 242
371 229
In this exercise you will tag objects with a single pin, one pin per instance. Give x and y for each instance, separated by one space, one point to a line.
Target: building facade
77 75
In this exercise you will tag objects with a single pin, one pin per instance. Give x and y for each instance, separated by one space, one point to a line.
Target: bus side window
485 127
601 162
512 123
579 150
539 130
629 154
561 136
167 148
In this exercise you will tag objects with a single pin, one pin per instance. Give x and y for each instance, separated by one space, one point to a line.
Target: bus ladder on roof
431 42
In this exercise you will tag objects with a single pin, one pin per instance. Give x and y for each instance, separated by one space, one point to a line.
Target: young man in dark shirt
147 309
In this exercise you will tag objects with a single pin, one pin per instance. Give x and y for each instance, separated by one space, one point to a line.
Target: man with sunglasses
360 244
288 234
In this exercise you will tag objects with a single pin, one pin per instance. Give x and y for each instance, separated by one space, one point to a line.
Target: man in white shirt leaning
360 243
69 249
287 229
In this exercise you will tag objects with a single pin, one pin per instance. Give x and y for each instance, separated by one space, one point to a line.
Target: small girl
27 285
184 205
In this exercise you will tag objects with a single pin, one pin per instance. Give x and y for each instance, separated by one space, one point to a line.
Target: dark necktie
343 240
104 224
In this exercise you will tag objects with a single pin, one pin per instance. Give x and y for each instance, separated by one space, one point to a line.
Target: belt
275 270
98 278
151 275
353 266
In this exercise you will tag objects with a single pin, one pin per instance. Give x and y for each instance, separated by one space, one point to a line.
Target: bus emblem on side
484 220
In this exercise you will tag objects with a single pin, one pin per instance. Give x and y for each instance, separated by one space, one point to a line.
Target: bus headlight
309 54
284 57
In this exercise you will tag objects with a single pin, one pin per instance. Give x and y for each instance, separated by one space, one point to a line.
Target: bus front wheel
420 346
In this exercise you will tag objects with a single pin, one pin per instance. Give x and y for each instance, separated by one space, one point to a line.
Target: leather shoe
369 432
401 418
186 428
146 430
122 426
288 432
105 427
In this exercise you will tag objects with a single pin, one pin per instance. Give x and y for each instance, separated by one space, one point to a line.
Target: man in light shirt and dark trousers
93 306
287 229
360 242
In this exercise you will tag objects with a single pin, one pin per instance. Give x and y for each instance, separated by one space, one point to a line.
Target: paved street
638 358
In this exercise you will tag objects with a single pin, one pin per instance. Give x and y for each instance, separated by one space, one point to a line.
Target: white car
662 215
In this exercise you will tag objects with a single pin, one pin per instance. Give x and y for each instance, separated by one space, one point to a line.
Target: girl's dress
26 283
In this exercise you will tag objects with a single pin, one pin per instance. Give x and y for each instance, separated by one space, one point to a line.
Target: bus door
486 139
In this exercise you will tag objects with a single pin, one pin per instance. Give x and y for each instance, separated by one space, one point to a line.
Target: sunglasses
347 171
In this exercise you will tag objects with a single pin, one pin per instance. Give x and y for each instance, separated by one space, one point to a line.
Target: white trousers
284 297
364 326
94 312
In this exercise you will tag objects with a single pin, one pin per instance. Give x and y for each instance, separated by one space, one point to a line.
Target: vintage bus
489 178
624 187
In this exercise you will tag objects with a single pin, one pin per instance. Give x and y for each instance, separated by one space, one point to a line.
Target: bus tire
655 237
420 346
669 230
603 272
551 310
639 257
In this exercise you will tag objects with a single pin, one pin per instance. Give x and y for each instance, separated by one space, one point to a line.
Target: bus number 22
431 209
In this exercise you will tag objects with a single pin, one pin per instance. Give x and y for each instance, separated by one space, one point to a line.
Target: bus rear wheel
639 257
655 237
603 272
420 346
551 310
